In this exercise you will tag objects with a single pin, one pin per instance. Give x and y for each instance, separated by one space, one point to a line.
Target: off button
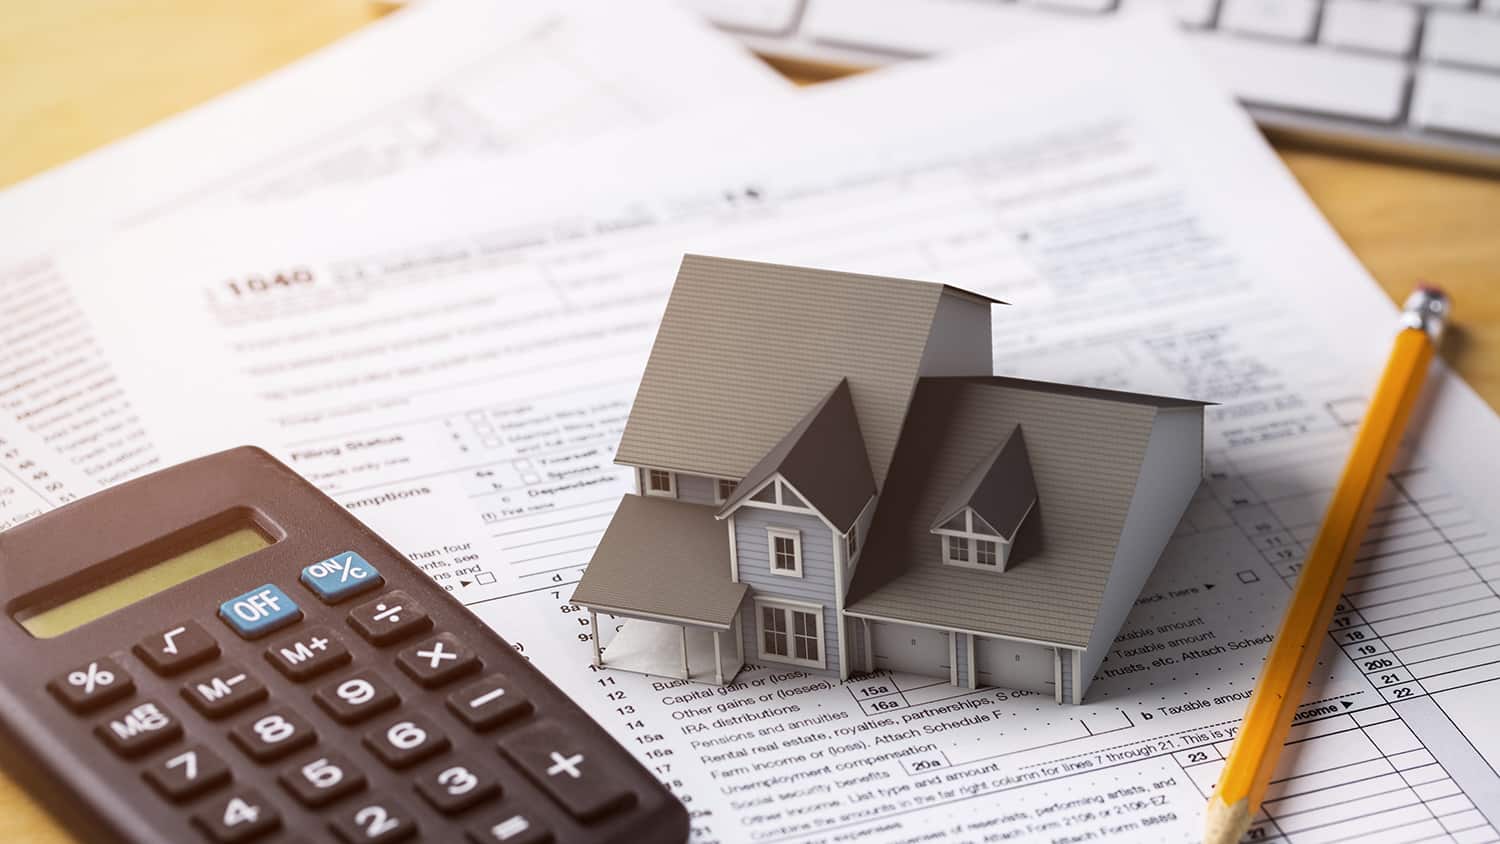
262 610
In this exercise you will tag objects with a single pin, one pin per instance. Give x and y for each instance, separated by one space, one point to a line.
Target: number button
406 741
322 780
224 691
389 618
376 820
273 735
177 648
91 685
340 576
567 769
488 702
509 826
455 787
357 697
308 655
437 660
242 816
139 729
187 773
262 610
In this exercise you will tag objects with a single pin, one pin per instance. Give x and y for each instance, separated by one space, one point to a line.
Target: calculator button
273 735
405 741
374 821
438 660
91 685
509 826
264 609
488 702
177 648
187 773
456 786
241 816
223 691
389 618
320 780
314 651
567 768
340 576
357 697
139 729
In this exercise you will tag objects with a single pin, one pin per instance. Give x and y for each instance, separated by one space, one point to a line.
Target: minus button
488 702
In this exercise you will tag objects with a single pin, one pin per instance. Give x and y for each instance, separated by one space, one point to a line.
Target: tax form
448 362
442 82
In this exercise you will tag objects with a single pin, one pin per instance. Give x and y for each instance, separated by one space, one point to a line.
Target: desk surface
80 74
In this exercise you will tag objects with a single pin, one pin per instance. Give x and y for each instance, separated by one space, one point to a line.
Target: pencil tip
1226 823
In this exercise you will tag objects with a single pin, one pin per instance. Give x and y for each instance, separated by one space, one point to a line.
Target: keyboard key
1094 6
1462 38
312 652
374 821
767 17
140 729
457 786
1306 78
359 696
264 609
1195 13
438 660
242 816
919 27
322 779
91 685
273 735
405 741
223 691
187 773
1289 20
1369 25
1455 100
489 702
509 826
182 646
568 769
340 577
390 618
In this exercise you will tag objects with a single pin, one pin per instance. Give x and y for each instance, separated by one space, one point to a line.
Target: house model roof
746 349
1001 490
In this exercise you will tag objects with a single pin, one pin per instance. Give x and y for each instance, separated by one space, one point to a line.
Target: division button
313 652
91 685
359 696
340 577
223 691
322 779
187 773
374 821
456 786
568 769
509 826
405 741
437 660
242 816
488 702
177 648
139 729
273 735
389 618
264 609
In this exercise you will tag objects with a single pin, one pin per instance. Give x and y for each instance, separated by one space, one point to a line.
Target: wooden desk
79 74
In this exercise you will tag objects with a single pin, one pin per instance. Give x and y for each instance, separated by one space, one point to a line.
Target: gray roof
1085 446
823 456
745 348
663 557
1000 490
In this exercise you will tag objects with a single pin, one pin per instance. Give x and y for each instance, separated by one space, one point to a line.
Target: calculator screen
237 540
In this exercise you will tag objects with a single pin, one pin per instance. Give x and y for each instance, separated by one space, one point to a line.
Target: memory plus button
311 653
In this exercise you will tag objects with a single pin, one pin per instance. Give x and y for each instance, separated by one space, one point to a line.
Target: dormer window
981 517
661 482
779 492
724 490
968 540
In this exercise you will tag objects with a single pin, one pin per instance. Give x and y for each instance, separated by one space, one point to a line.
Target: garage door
1013 665
910 650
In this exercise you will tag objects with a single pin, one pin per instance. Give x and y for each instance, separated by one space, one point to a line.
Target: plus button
565 764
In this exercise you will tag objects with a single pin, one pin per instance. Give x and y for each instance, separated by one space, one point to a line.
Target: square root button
340 576
260 611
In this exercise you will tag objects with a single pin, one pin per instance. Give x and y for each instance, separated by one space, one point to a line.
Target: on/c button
260 611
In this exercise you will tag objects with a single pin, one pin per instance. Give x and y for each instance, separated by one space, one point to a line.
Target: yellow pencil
1283 679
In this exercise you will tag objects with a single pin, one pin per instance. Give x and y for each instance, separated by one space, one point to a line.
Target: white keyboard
1415 79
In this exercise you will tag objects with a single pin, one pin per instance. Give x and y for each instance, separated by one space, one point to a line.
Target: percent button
91 685
340 576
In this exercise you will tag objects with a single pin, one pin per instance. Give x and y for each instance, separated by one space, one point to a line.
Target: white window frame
781 488
775 533
669 492
719 495
789 607
971 539
851 544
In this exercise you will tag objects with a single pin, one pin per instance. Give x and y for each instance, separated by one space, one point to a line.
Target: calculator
218 652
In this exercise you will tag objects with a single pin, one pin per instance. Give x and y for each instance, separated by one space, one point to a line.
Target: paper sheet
484 347
454 82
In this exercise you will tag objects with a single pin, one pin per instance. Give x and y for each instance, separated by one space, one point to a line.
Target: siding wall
695 488
815 586
1067 674
961 645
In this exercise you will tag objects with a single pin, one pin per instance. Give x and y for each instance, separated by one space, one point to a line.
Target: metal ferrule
1427 310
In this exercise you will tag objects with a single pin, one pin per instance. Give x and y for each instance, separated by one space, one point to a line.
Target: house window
969 541
985 552
791 633
661 482
725 490
786 551
853 546
958 549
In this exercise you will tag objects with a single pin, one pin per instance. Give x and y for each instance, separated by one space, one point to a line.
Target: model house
829 477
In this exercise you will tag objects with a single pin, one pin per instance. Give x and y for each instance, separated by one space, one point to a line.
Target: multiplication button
389 618
262 610
340 576
437 660
91 685
177 648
